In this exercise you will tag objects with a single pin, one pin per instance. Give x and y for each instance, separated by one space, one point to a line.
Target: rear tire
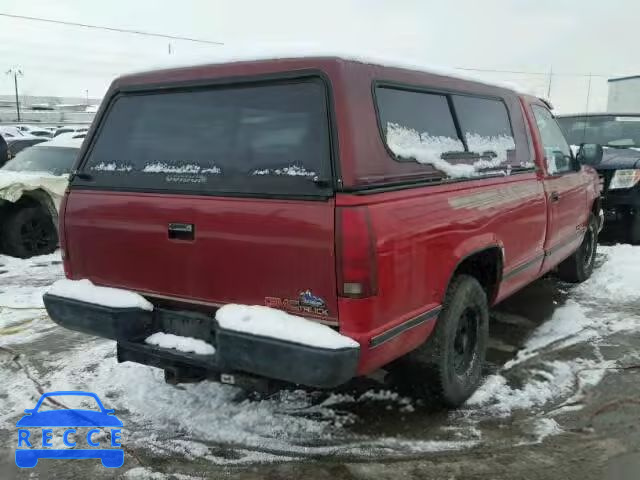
29 232
579 266
447 368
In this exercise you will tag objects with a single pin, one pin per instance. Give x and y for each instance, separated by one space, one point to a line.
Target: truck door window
410 120
557 153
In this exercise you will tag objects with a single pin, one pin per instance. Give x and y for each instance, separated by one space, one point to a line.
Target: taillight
356 255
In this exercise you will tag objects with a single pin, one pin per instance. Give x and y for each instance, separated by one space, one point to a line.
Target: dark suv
619 169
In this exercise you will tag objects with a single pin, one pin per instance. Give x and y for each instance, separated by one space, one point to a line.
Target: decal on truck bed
306 304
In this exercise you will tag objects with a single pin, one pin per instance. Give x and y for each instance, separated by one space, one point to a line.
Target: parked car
31 187
34 131
69 135
9 131
391 206
70 129
16 144
41 133
620 165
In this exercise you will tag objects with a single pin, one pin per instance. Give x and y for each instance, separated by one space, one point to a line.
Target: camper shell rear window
264 138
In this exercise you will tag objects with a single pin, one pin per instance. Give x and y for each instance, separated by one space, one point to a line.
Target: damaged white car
31 187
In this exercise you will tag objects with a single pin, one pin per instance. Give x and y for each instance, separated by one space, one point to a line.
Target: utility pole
87 92
15 72
588 95
549 86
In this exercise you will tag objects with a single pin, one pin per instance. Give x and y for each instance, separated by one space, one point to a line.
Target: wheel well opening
486 267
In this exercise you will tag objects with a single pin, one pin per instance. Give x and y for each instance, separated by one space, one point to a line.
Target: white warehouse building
624 95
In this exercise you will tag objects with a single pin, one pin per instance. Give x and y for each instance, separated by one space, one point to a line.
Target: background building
624 94
42 109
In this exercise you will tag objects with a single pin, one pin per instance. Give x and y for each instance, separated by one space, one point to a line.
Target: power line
110 29
213 42
525 72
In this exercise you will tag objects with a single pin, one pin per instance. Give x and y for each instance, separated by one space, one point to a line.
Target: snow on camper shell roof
289 52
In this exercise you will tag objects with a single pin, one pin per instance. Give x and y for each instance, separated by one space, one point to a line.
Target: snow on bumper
315 356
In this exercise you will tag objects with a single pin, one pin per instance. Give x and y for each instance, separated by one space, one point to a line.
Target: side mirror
590 154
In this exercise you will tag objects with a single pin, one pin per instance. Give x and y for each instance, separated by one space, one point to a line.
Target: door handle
182 231
555 196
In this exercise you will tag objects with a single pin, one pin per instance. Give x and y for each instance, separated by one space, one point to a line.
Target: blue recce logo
27 457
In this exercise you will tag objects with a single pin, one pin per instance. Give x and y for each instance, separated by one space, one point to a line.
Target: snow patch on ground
614 282
269 322
617 279
20 297
182 344
143 473
86 291
545 427
568 325
552 380
22 283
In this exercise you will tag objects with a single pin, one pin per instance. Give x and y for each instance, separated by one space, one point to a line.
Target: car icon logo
70 419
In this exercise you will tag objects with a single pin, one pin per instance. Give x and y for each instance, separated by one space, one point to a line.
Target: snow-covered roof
305 51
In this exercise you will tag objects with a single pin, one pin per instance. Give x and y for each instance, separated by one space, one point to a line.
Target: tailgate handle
182 231
555 196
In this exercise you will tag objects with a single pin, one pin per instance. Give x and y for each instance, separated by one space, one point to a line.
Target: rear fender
465 250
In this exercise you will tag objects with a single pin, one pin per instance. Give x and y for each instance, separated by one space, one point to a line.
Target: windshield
54 160
607 130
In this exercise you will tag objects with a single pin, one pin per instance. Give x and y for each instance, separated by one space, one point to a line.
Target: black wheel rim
465 342
589 246
36 235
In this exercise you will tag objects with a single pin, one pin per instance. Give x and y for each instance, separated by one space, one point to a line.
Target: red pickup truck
391 207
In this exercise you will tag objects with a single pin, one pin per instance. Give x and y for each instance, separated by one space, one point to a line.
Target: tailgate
264 252
213 194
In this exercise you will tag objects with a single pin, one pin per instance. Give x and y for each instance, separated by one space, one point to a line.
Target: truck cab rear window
454 135
259 139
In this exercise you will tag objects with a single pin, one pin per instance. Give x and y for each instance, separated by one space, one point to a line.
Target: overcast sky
572 36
